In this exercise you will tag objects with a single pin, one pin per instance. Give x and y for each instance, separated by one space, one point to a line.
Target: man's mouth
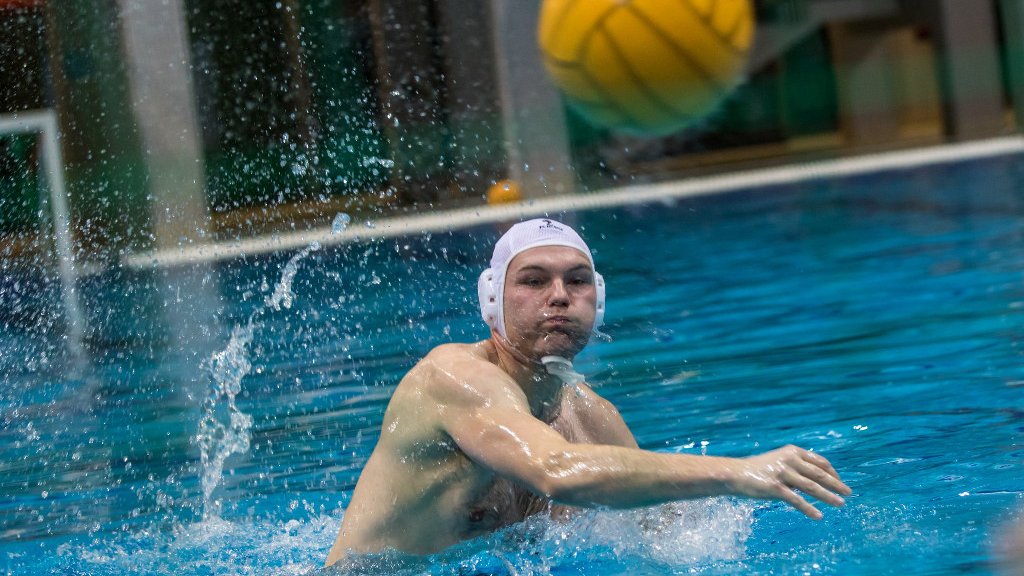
561 325
558 321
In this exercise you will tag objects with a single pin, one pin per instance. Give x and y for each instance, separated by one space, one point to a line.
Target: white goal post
43 123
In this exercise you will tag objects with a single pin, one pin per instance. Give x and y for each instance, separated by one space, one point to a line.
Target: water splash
218 440
677 534
224 428
283 295
691 536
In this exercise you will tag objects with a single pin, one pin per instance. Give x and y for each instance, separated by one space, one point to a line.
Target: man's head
542 283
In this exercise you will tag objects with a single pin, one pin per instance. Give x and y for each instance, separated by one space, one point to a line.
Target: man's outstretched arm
492 424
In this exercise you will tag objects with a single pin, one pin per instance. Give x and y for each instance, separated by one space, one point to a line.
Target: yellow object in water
649 67
503 192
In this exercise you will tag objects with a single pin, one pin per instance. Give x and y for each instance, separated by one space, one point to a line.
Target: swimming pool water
878 320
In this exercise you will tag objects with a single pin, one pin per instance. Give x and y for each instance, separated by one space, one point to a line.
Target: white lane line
447 220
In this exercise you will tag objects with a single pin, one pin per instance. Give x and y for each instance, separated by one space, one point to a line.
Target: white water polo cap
519 238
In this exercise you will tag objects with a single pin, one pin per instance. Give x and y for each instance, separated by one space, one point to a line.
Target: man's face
549 301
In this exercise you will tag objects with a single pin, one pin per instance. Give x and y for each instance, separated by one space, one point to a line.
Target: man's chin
564 343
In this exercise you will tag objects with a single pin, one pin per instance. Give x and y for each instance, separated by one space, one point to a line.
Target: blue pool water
878 320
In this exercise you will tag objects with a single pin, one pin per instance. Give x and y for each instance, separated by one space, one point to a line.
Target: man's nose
559 295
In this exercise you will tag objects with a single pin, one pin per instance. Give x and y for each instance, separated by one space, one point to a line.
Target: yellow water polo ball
648 67
504 192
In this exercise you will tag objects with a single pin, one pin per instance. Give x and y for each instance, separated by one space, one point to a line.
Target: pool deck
446 220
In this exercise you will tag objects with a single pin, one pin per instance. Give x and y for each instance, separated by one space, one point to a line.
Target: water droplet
341 222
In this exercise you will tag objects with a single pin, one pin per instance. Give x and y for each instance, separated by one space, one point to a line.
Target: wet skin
478 436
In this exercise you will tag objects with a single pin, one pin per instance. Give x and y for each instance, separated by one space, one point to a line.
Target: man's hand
780 473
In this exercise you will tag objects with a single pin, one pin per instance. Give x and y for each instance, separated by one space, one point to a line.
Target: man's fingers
833 483
824 479
812 488
795 469
819 461
793 499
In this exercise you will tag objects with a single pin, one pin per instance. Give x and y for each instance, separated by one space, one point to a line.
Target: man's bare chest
502 502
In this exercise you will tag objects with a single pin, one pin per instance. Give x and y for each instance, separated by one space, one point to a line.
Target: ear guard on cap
490 305
487 292
599 312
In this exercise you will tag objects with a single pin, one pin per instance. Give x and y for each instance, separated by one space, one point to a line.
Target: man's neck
543 391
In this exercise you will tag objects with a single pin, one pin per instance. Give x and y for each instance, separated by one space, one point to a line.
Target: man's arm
489 418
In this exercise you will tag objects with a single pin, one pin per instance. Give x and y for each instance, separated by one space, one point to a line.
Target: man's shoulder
445 363
457 351
449 366
594 403
452 358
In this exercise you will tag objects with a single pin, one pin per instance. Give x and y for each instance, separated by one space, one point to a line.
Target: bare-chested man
478 436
